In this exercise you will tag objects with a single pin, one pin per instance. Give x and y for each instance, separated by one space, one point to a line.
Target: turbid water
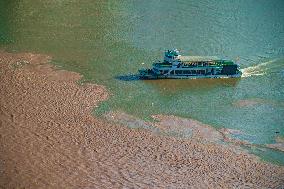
107 41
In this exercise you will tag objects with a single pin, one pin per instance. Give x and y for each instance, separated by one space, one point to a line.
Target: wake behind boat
176 66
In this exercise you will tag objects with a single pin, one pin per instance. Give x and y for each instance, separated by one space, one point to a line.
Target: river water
108 41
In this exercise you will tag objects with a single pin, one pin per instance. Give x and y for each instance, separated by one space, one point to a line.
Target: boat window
186 72
178 71
200 71
193 71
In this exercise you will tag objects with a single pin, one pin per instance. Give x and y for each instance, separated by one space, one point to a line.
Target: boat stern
146 74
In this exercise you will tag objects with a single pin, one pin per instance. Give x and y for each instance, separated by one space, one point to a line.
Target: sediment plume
248 102
50 139
279 145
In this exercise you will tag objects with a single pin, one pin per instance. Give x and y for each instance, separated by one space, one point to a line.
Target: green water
106 41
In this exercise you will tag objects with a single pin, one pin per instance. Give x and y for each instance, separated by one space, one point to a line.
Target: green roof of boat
198 58
214 59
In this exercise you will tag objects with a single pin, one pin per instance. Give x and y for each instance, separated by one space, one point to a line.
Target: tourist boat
176 66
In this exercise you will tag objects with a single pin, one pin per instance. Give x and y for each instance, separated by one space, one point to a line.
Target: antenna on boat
237 59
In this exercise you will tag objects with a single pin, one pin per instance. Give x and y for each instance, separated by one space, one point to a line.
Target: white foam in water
257 69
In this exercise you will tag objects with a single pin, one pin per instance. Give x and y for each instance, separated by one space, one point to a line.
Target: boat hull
153 76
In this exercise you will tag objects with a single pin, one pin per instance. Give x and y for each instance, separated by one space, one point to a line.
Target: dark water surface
106 41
